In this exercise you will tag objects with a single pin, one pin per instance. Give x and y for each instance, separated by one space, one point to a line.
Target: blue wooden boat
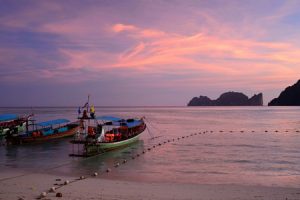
45 131
12 123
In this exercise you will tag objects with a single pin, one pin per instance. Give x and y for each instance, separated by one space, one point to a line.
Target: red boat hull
38 139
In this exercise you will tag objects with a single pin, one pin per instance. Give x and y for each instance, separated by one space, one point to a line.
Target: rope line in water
50 168
61 165
147 149
108 170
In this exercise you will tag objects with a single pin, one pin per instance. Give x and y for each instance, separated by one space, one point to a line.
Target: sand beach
30 186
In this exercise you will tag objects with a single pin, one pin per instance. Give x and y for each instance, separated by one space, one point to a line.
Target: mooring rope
152 126
144 151
117 164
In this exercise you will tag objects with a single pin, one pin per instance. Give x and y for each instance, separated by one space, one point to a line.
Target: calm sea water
221 157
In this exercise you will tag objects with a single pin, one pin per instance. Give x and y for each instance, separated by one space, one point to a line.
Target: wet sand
30 186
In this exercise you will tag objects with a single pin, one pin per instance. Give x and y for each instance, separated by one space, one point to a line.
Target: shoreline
30 186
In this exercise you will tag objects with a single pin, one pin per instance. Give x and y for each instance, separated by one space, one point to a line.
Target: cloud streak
161 45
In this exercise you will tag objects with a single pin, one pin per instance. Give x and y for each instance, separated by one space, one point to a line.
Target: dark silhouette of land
289 97
228 99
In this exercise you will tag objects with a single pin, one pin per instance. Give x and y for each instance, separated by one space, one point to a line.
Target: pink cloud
137 32
199 53
153 50
171 49
122 27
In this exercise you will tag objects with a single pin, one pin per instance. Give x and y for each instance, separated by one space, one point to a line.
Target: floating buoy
124 161
230 131
82 177
95 174
276 131
117 164
153 146
266 131
242 131
221 131
59 194
149 149
297 131
108 170
286 131
137 155
144 152
52 189
66 182
43 194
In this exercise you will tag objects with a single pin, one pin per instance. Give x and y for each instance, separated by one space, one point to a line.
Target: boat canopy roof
53 122
109 118
130 124
7 117
133 123
116 121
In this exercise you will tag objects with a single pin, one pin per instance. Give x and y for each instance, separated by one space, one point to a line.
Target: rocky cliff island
228 99
289 97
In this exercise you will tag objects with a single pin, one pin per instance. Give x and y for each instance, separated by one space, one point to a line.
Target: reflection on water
238 151
101 162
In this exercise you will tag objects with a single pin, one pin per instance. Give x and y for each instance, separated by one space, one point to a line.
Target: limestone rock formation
228 99
289 97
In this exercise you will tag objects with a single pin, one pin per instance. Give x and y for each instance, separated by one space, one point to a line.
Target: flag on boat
92 110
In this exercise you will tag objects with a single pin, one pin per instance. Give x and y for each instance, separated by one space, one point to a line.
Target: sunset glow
145 52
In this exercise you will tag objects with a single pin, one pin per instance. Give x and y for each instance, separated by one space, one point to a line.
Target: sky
145 52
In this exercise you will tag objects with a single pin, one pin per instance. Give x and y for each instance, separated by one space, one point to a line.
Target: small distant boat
13 123
45 131
105 133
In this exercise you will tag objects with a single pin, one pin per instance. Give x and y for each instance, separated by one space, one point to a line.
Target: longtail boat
105 133
45 131
108 134
13 123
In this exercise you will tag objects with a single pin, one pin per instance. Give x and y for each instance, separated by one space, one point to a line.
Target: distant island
289 97
228 99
